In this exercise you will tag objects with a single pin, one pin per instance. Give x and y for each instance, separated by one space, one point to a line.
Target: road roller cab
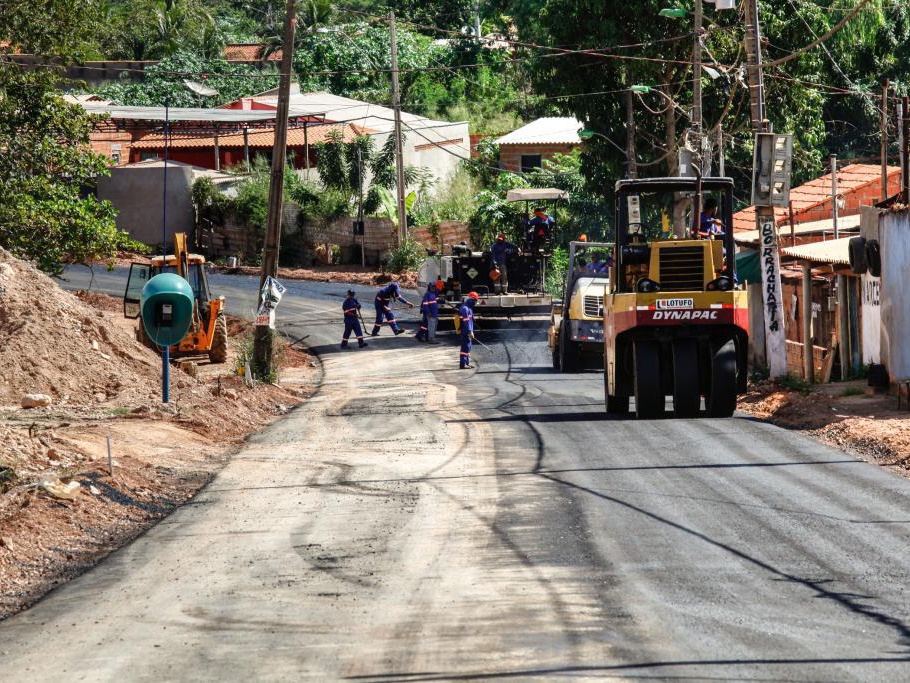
675 318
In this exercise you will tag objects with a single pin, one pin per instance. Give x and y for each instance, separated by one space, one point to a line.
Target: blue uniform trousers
384 312
351 324
465 357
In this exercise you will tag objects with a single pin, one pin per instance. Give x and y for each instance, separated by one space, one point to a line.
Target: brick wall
510 155
106 144
449 232
300 239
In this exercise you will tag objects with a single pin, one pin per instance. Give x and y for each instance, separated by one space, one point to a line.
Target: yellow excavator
208 333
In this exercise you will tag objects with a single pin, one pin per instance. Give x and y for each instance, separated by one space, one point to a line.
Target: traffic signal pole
769 253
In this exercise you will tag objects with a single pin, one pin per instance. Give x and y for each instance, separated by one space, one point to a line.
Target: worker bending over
466 316
384 298
429 309
351 308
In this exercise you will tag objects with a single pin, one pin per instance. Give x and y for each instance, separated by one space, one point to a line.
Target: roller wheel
649 398
686 395
616 405
218 351
568 356
721 401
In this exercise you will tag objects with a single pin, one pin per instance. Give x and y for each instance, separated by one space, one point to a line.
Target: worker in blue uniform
466 315
351 308
429 308
500 251
391 292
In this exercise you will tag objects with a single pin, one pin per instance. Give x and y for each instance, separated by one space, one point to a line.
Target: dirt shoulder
843 415
61 508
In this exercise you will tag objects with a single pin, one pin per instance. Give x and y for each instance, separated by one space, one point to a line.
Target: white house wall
894 237
871 332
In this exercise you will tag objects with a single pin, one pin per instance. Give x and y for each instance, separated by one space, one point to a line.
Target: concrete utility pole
631 165
834 212
477 35
696 90
399 153
884 129
772 291
262 339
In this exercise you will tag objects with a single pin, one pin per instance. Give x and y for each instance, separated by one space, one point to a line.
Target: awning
830 251
747 266
534 194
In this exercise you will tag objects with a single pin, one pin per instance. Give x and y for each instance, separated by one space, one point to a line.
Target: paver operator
540 229
466 316
351 308
500 251
429 309
384 299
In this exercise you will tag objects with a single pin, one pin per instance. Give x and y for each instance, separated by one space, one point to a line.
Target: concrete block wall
449 232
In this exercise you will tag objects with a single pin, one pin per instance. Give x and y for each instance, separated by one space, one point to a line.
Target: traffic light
771 166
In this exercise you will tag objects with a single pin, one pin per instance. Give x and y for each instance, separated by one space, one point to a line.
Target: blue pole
166 375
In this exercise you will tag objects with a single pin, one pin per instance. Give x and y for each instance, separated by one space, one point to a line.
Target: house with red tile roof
198 148
860 184
249 53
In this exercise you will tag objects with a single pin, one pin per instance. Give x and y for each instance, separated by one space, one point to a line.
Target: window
146 155
530 162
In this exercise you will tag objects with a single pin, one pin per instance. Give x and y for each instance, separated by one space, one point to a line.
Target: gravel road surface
414 522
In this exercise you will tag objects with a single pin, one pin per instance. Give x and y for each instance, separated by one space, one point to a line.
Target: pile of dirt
843 415
52 343
343 274
61 507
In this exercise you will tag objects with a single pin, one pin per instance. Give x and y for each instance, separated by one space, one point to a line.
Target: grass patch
853 391
794 383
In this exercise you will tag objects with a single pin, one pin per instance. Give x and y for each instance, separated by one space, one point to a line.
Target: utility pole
834 213
696 90
721 167
399 153
631 165
905 149
477 35
900 138
262 339
884 127
772 291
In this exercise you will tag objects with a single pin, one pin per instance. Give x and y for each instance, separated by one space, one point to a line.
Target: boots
375 332
361 343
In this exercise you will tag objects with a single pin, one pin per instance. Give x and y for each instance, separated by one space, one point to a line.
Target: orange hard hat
473 295
501 236
582 237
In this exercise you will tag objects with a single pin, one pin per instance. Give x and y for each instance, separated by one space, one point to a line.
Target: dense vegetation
548 57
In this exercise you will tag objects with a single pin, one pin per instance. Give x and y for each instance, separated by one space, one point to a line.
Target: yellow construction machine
676 321
208 333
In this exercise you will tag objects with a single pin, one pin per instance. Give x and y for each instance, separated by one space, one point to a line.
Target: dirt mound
53 343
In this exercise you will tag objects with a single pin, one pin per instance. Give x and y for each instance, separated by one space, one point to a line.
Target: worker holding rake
351 308
384 298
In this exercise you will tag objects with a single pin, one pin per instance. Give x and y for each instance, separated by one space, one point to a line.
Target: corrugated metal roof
181 114
818 192
810 228
548 130
830 251
257 138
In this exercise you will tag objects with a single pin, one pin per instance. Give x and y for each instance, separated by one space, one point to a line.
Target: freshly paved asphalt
414 522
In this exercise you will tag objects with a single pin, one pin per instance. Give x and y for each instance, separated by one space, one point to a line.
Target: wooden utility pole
806 310
696 90
399 153
905 149
772 291
884 130
631 165
262 340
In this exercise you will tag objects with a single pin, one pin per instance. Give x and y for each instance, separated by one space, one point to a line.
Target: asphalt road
415 522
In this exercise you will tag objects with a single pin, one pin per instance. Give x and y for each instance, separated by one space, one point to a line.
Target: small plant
408 256
794 383
759 374
246 360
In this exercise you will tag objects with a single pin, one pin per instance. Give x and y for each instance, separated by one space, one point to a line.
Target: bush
408 256
794 383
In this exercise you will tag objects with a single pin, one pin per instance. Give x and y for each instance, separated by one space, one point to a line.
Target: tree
48 212
164 80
